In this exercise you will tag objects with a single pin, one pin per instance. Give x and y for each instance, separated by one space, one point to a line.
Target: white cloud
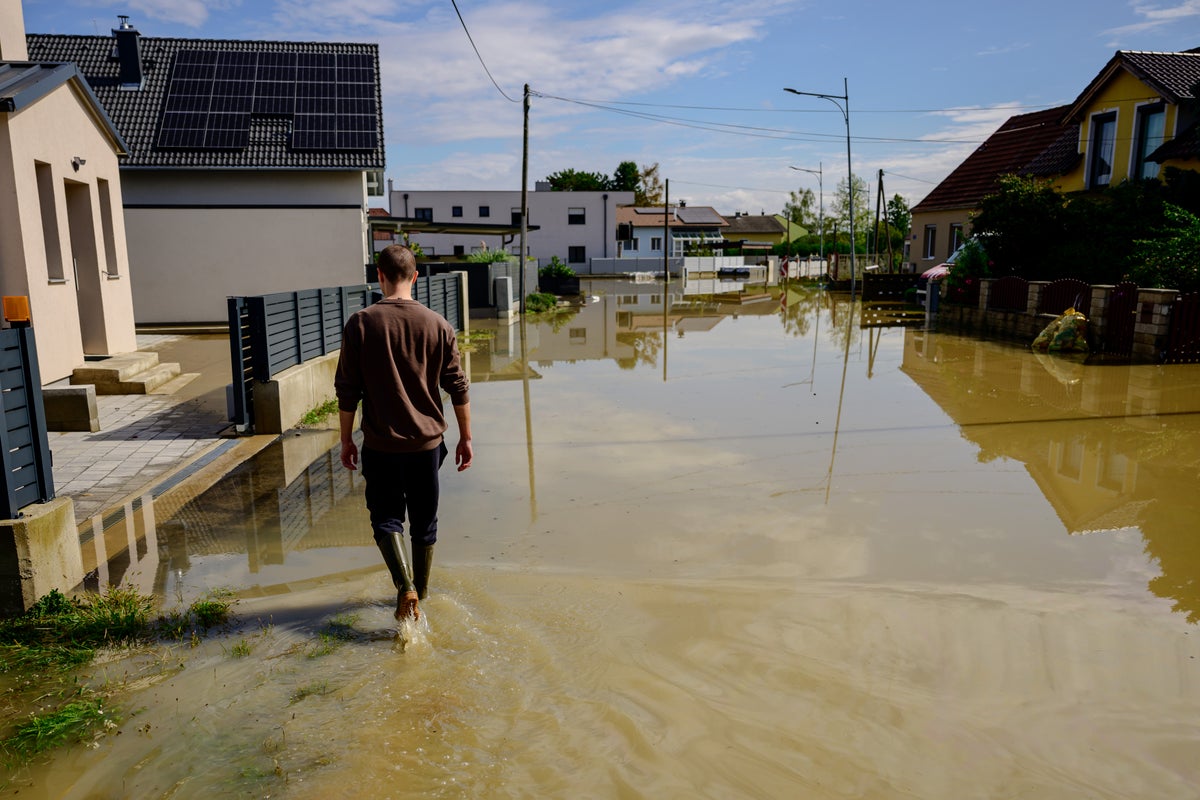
1155 17
193 13
999 50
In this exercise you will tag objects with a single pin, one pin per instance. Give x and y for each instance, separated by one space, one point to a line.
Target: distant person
395 356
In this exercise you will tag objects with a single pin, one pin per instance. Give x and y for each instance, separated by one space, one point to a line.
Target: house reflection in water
624 321
1110 446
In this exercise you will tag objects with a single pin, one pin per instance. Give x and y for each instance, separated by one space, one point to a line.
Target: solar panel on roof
212 95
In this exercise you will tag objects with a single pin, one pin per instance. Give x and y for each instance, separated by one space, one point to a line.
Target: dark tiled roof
1013 148
1175 76
137 113
747 224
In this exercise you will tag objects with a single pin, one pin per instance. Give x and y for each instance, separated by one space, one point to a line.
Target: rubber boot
422 564
391 547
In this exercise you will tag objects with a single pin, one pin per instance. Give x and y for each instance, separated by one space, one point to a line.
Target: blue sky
927 81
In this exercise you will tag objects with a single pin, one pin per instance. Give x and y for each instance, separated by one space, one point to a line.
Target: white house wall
547 210
196 238
95 273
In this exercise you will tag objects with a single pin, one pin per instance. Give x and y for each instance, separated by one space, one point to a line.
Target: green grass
76 721
241 649
62 632
338 631
540 301
209 611
319 414
315 688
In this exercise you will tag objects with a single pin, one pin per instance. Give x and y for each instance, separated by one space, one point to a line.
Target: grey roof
138 113
23 83
751 224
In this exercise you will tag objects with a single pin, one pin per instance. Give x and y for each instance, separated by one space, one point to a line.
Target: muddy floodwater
732 545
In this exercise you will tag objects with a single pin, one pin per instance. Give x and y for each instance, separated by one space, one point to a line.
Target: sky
696 86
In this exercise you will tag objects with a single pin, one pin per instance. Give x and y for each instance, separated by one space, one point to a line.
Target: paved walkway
145 438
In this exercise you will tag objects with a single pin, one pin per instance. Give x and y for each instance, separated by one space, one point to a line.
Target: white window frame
1137 160
930 243
1103 118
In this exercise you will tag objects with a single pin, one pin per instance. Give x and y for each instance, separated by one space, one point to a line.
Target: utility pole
524 199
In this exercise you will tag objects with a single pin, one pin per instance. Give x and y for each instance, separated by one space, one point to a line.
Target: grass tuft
319 414
76 721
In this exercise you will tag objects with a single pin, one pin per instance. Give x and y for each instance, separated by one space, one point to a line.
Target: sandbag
1066 334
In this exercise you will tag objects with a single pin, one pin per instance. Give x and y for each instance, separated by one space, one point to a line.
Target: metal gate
1119 320
1183 333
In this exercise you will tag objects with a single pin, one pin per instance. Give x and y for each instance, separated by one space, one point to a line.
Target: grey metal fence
269 333
24 447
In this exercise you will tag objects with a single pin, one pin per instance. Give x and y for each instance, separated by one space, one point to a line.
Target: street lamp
844 107
821 201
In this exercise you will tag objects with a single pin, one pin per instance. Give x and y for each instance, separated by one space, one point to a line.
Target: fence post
237 361
260 358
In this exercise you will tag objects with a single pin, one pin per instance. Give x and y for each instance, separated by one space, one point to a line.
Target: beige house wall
189 260
942 222
89 309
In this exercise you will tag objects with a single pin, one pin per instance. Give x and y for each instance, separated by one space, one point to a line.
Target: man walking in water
395 356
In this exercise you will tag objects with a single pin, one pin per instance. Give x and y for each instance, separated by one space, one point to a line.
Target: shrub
556 269
487 256
540 301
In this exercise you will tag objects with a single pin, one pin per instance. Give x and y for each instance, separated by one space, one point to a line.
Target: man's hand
463 454
349 454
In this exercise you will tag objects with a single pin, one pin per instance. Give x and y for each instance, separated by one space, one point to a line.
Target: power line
477 54
949 109
753 131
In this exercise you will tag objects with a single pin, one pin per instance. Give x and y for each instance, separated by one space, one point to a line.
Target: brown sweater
395 355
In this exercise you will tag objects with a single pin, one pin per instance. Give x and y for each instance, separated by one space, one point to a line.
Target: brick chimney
129 54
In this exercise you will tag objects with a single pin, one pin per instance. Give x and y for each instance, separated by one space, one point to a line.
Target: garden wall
1144 341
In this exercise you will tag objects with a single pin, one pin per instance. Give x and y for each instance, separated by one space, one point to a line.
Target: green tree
898 215
626 178
841 207
801 208
572 180
1172 258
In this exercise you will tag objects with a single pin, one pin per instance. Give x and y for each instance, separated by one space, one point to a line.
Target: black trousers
400 486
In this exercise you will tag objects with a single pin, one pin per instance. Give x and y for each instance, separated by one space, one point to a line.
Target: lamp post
821 202
842 101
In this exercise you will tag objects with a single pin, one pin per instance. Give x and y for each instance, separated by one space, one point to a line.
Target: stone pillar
985 291
1098 315
1153 321
1035 296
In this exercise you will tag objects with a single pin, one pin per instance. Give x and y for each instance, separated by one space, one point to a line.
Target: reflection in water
1110 447
800 562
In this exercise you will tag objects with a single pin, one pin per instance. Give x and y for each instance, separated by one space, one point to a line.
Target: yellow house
1138 116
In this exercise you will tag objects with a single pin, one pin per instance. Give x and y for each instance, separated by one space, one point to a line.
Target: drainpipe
604 230
406 205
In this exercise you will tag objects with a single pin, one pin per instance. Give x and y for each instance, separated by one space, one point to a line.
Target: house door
86 261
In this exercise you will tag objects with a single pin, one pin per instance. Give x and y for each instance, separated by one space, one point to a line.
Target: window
456 211
576 255
458 250
516 217
930 241
1100 150
485 211
956 237
423 214
1151 125
106 222
655 243
576 216
54 254
631 245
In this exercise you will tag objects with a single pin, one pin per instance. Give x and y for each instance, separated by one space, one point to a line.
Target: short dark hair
397 263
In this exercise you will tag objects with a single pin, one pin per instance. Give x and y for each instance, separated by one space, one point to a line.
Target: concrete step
175 384
143 382
115 368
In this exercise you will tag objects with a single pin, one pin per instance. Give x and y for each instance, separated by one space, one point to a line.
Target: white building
575 226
